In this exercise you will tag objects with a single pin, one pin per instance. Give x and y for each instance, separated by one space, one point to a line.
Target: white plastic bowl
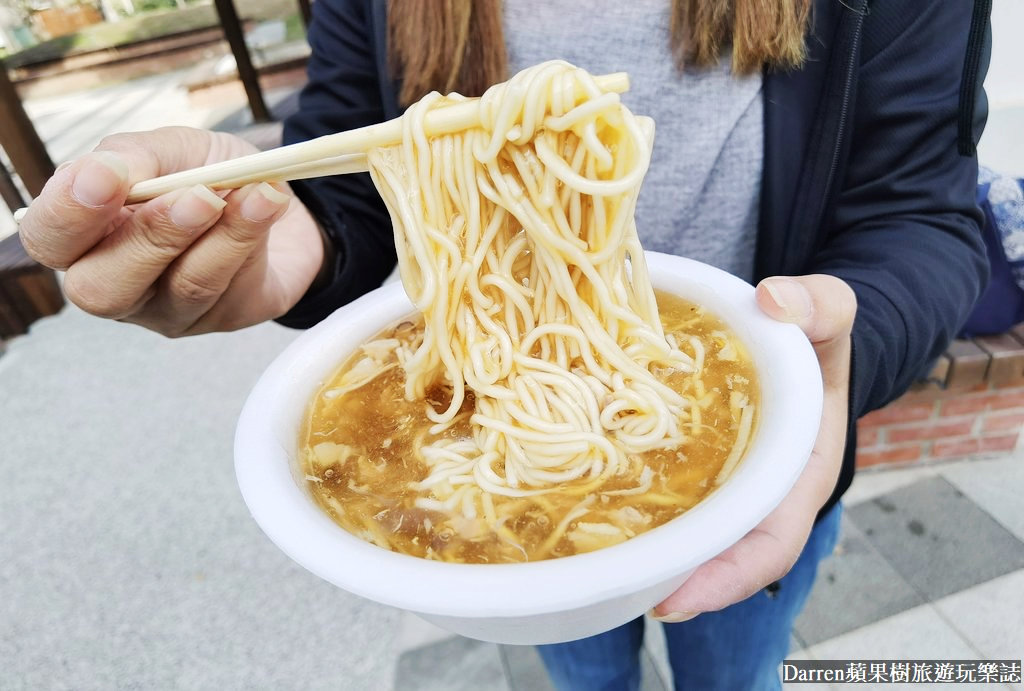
548 601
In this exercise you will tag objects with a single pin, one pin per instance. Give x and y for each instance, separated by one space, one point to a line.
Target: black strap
965 143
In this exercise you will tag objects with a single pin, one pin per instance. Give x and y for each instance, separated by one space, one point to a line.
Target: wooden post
246 72
9 192
20 140
28 291
306 11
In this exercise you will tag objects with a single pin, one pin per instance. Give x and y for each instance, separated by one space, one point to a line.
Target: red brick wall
931 424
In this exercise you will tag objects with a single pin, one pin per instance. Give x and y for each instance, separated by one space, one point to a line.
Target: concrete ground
128 559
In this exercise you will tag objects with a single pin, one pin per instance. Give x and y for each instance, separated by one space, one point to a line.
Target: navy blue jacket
869 173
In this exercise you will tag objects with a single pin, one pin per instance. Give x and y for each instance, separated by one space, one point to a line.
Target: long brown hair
458 45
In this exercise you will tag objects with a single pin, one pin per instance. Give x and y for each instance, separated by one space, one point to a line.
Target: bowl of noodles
543 430
553 599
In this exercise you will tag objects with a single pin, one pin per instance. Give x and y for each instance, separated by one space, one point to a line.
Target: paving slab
916 634
414 632
71 124
799 654
919 634
650 676
855 586
657 647
936 538
795 642
876 481
997 486
990 616
453 664
524 669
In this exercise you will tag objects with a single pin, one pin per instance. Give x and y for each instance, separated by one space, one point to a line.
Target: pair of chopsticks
332 154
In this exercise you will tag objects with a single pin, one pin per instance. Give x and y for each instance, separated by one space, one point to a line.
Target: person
829 156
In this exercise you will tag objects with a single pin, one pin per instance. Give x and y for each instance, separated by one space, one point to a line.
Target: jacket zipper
968 82
845 106
851 412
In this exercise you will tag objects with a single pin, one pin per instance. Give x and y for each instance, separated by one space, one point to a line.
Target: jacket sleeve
343 92
906 228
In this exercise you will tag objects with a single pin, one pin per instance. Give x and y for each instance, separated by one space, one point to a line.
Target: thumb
822 306
159 152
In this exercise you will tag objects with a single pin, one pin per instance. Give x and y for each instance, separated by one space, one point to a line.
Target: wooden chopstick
336 165
332 154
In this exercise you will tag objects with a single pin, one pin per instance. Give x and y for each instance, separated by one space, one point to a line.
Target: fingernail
196 207
673 617
791 297
262 203
99 178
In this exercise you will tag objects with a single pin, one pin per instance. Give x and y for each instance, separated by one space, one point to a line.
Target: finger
745 568
765 554
76 209
118 272
162 151
823 307
196 280
84 198
768 552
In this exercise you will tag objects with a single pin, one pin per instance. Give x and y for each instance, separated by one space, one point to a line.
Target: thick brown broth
360 454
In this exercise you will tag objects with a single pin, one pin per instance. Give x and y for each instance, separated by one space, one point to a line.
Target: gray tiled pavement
524 670
931 522
989 615
999 491
858 573
452 663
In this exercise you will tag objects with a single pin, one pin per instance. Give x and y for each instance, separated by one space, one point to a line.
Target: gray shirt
700 196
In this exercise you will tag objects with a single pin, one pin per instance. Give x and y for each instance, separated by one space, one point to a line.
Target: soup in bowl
580 575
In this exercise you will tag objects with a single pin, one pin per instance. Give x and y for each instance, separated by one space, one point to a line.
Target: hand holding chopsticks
194 261
333 154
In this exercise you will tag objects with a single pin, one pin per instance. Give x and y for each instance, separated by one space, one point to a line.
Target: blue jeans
738 648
